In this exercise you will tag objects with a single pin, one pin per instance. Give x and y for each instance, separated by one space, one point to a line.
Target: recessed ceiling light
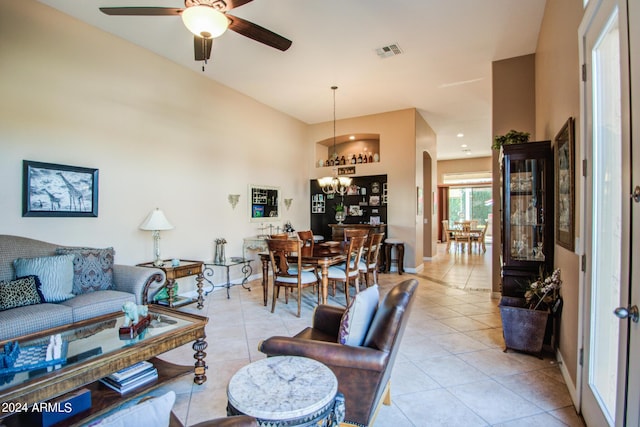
464 146
468 153
352 137
460 135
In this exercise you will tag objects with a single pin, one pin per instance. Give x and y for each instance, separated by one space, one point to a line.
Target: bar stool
399 260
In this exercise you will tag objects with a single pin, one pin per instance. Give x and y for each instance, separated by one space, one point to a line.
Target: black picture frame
564 150
51 190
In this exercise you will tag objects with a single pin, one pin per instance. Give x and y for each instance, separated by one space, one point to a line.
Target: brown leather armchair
363 372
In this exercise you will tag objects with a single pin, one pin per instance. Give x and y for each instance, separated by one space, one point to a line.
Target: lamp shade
156 221
205 21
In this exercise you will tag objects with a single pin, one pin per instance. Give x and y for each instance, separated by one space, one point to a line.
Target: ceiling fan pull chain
203 64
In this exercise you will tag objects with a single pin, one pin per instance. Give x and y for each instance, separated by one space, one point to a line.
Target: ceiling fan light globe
205 21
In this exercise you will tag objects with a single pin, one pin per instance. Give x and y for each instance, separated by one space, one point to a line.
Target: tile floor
451 370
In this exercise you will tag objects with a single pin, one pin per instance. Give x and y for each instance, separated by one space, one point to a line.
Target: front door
610 383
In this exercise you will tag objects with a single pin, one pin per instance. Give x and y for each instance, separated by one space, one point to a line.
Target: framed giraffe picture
58 190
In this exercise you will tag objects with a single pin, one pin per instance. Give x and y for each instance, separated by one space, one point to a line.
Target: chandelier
334 184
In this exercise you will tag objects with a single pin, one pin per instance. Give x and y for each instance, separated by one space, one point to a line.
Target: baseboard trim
571 387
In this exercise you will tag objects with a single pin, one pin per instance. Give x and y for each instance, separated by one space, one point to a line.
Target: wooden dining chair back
369 266
349 271
355 232
306 237
288 272
279 236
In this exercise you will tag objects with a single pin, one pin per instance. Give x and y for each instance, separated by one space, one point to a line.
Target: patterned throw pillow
55 274
357 318
92 269
20 292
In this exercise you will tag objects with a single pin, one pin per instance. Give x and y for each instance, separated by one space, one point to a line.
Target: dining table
321 255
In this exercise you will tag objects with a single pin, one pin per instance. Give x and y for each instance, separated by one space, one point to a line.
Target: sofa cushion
20 292
55 274
155 412
92 268
93 304
357 318
28 319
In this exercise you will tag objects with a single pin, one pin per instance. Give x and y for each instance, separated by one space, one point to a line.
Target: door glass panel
607 217
470 203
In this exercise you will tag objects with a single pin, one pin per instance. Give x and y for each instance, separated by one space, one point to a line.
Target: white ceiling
444 71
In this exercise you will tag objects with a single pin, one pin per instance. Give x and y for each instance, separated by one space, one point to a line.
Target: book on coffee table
133 382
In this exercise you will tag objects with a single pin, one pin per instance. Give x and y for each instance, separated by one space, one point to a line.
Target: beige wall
426 178
160 135
476 164
513 103
540 102
398 138
557 99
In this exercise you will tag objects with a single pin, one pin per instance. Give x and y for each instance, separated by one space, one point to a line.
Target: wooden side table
186 268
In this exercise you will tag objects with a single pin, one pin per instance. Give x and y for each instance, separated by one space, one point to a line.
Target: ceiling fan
208 19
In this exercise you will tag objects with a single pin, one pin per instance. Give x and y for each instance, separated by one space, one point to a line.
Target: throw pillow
20 292
92 268
55 274
357 318
154 412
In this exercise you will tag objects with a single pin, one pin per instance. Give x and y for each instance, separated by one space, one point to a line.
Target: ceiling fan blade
232 4
202 48
258 33
141 11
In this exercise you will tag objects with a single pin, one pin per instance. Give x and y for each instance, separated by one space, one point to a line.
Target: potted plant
511 137
341 215
525 320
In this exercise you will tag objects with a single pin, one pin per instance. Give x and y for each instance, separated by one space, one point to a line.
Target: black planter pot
523 329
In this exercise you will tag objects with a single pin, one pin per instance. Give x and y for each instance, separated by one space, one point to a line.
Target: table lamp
155 222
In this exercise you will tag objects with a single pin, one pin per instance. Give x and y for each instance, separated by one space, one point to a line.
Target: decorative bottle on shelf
370 158
364 158
353 159
360 158
342 160
376 157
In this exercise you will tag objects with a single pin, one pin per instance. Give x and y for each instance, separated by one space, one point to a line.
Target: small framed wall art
50 190
565 185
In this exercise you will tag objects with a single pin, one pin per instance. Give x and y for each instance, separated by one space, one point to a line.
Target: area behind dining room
450 370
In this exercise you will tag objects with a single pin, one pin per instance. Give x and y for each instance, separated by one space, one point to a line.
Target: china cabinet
527 214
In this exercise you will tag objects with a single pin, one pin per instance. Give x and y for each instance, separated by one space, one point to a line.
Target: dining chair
369 263
477 238
350 269
463 236
447 233
290 275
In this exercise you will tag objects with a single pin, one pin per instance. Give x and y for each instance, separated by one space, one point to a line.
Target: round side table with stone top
286 391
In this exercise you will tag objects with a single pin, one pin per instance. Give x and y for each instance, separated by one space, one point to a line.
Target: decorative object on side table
155 222
526 321
219 257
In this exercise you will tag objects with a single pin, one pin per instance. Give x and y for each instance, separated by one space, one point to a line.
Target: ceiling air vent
390 50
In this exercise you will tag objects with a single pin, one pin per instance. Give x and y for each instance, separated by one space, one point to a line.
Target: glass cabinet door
526 209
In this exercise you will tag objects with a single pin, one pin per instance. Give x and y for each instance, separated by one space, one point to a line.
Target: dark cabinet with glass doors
527 214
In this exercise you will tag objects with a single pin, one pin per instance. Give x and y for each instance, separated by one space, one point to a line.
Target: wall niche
349 149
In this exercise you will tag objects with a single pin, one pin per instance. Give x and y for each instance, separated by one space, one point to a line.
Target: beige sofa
129 284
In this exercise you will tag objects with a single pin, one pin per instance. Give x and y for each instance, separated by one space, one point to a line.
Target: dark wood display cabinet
365 204
527 214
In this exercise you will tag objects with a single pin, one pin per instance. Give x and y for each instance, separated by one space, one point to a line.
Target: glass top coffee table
95 349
